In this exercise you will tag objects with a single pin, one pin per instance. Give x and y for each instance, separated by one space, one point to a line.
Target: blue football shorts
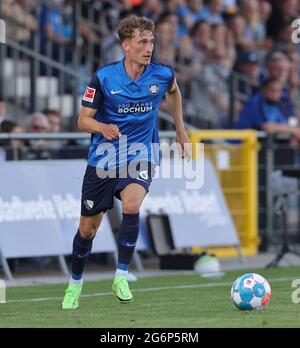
98 191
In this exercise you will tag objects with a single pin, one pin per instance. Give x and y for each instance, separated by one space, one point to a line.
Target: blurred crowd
216 47
48 121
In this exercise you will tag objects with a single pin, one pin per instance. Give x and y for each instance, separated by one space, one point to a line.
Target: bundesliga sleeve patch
89 94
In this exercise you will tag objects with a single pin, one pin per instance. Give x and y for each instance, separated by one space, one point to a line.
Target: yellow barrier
238 179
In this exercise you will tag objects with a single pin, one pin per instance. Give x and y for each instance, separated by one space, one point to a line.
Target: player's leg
82 246
132 197
97 197
82 243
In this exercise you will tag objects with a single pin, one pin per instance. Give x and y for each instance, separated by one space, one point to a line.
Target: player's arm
91 102
174 101
87 122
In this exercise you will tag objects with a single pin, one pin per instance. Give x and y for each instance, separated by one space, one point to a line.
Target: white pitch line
98 294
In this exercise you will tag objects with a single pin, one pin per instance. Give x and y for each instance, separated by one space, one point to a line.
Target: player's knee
131 206
88 231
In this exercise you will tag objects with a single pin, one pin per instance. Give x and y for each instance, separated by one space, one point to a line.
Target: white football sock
76 281
121 272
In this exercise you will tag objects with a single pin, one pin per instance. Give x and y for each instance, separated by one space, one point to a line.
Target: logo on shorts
154 89
130 244
143 176
88 204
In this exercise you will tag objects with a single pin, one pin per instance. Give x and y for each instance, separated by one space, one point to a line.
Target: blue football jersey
130 105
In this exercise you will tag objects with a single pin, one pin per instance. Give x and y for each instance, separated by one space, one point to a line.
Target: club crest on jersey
154 89
89 94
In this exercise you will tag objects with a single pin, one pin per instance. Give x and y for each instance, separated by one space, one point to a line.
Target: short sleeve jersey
130 105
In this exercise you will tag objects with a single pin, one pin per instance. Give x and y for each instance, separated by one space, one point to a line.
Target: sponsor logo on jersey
89 94
134 108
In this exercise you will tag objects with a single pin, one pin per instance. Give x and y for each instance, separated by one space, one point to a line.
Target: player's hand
185 145
110 131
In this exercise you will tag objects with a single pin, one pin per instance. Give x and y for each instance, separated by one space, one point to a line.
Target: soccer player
121 104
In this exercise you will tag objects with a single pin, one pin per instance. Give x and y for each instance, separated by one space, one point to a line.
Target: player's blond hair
128 25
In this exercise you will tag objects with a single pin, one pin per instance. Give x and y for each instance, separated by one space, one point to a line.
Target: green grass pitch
174 301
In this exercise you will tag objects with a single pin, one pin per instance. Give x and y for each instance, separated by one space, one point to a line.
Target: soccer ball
208 266
251 291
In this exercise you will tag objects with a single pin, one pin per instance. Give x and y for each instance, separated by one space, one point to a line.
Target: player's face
140 47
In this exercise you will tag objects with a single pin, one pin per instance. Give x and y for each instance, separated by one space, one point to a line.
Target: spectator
212 12
188 15
202 43
90 41
172 5
103 14
222 38
249 11
164 51
237 26
152 9
56 32
21 22
11 149
211 94
278 66
185 51
112 50
190 67
264 111
3 115
38 149
230 6
265 12
283 40
55 126
283 11
172 19
55 24
54 119
37 123
249 68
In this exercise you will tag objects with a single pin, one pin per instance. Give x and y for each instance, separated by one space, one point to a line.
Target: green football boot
121 289
72 294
